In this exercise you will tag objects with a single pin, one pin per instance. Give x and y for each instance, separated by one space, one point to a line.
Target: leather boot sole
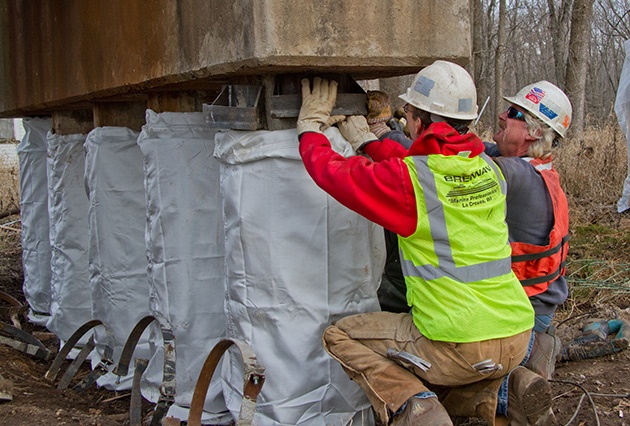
529 399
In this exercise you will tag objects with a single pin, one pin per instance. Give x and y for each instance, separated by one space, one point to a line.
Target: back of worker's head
443 91
548 114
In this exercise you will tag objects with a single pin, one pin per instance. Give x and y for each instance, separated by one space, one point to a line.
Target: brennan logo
468 178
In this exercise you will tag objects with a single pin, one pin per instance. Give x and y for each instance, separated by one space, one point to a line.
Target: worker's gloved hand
379 107
356 130
379 112
317 105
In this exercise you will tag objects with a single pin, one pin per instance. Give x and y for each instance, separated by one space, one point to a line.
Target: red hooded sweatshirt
380 190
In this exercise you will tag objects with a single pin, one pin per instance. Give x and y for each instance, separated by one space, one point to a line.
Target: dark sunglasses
406 108
515 114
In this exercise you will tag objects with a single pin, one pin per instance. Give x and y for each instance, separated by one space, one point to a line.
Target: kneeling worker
445 199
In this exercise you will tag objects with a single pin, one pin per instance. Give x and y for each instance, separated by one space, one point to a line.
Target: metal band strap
252 384
101 369
51 374
135 404
168 386
441 242
31 345
77 362
27 348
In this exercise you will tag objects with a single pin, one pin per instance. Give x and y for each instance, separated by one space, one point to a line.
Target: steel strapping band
253 382
103 366
76 364
135 405
32 345
10 299
168 386
101 369
161 409
167 389
27 348
122 369
51 374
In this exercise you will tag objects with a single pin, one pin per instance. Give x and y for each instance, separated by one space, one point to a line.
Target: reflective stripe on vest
439 233
528 259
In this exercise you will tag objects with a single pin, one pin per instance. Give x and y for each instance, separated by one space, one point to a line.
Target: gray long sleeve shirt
530 218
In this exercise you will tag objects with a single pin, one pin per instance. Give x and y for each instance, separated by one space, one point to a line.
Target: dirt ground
605 381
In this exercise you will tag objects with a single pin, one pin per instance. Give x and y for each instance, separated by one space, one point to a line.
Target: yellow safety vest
457 264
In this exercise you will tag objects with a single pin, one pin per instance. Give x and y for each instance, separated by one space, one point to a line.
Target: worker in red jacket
537 209
470 319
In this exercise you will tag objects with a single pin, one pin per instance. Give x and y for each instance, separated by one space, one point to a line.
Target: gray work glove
317 105
356 130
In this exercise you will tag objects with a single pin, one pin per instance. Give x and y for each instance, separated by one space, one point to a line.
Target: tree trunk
581 19
559 21
476 11
499 61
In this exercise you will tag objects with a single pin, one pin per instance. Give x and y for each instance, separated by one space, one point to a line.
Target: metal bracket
76 364
16 308
167 389
101 369
238 107
25 342
275 104
135 405
253 382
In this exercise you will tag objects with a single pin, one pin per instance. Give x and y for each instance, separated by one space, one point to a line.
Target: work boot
477 399
545 351
423 412
529 399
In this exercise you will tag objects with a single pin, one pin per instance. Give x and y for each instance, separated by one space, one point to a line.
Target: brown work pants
360 344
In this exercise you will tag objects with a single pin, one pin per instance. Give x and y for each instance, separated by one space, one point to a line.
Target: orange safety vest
537 266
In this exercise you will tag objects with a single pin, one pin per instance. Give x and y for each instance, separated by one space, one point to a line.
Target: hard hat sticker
465 104
566 121
424 85
535 95
548 112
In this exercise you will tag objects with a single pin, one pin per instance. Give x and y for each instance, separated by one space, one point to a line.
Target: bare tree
576 44
578 60
499 63
478 45
559 24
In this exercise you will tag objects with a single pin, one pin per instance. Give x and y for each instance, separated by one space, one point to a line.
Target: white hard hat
547 102
444 88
